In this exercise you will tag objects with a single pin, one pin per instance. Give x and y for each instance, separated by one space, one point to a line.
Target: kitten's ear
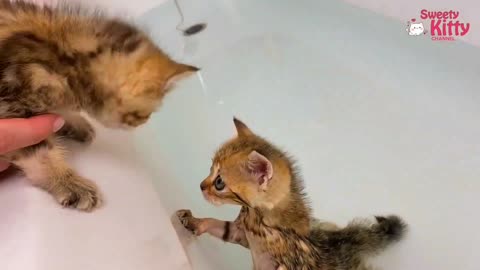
242 129
181 71
260 168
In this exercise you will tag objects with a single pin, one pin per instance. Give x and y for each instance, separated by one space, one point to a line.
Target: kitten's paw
184 213
188 221
84 133
78 193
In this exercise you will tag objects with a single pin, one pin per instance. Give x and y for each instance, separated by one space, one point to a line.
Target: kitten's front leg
77 128
226 230
44 165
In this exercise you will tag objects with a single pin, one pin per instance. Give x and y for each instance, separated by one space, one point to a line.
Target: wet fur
277 224
65 60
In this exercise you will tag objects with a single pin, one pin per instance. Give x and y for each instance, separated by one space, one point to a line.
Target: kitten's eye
218 183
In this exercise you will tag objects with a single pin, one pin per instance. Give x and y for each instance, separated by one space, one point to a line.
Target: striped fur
65 60
276 222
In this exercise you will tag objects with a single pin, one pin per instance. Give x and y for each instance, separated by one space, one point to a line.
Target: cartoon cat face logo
415 28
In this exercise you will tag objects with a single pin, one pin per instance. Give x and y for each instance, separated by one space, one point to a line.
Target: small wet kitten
65 60
275 221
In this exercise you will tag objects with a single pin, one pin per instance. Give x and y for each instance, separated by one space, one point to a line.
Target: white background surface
131 231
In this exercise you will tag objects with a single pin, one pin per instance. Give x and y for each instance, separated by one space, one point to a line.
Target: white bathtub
380 122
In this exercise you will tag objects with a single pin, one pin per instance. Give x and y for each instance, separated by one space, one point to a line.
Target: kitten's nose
203 186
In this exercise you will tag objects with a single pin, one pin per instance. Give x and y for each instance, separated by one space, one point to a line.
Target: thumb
18 132
3 165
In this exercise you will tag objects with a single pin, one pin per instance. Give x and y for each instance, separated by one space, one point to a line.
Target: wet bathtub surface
380 122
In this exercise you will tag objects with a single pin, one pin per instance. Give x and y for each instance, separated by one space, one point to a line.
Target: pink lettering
423 14
465 28
432 15
449 24
443 38
435 27
443 24
457 24
455 14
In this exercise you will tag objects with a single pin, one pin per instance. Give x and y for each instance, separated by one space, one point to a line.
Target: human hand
18 133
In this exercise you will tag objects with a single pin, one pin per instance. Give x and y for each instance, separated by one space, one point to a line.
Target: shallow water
380 122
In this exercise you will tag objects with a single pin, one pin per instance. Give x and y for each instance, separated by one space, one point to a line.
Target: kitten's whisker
202 82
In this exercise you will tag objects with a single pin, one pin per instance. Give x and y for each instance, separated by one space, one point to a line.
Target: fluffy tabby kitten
65 60
275 221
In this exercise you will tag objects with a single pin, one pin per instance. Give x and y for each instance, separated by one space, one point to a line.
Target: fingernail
58 124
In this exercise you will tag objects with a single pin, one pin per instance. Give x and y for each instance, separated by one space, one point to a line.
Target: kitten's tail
363 239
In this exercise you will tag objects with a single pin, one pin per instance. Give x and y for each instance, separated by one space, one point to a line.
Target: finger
18 133
4 165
